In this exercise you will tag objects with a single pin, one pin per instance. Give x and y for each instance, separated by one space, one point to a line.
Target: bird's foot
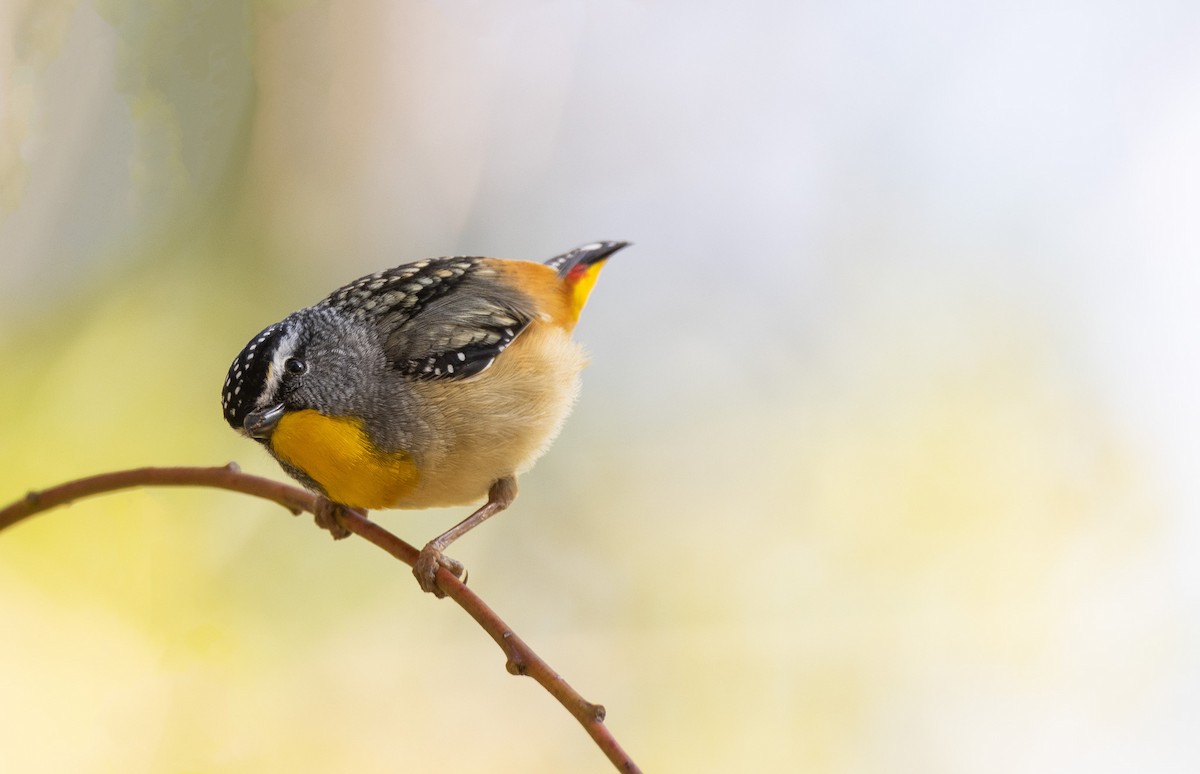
326 517
428 562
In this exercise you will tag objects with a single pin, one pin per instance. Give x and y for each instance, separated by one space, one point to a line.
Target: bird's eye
295 366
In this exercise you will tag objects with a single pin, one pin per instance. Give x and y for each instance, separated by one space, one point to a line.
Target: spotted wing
447 318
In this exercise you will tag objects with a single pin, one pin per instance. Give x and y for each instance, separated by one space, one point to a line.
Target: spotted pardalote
433 383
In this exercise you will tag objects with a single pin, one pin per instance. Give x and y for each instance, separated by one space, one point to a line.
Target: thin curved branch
521 659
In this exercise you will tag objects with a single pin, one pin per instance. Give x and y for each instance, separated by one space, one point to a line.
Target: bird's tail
580 267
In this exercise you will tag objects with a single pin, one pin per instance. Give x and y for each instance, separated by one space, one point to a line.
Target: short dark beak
259 424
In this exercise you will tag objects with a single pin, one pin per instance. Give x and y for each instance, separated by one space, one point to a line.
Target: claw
428 562
326 517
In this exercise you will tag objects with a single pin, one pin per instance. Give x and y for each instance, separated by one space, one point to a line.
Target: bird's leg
500 496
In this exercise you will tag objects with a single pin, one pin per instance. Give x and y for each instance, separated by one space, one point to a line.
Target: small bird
434 383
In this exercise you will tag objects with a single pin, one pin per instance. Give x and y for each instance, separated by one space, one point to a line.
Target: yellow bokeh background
884 460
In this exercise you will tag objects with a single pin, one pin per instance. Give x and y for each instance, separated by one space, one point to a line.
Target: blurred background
885 460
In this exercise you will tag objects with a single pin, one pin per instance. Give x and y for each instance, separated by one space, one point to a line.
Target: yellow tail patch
338 455
581 279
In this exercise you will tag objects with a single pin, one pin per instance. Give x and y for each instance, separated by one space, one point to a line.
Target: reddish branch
521 658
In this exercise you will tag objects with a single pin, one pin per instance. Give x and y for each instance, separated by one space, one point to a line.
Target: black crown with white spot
248 375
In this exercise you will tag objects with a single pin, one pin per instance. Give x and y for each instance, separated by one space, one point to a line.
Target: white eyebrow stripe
283 350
